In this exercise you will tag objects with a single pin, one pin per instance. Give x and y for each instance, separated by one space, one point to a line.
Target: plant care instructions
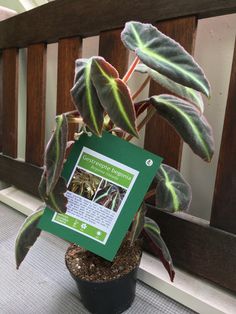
107 179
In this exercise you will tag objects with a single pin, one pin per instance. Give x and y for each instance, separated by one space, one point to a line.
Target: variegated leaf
85 97
138 223
152 234
55 153
163 54
177 89
56 200
173 193
27 235
188 122
114 95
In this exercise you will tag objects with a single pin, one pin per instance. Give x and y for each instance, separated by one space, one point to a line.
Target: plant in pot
104 102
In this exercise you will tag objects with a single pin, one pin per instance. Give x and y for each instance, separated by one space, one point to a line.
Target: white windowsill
197 294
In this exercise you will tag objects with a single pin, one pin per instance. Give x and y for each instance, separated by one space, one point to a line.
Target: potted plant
104 101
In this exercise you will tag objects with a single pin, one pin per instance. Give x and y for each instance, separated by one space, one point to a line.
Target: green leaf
163 54
56 200
173 193
185 92
188 122
138 223
85 97
27 236
55 153
114 95
152 233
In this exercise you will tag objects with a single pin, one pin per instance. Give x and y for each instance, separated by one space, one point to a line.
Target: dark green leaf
152 234
27 235
55 153
85 97
161 53
180 90
138 223
114 95
188 122
56 200
173 193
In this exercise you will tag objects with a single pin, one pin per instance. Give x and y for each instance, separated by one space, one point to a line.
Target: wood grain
68 51
112 49
36 85
23 175
199 248
1 100
223 213
10 102
160 137
70 18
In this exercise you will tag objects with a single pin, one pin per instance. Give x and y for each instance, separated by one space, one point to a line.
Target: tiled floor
42 285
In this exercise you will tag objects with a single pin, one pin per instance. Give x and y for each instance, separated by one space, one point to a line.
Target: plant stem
130 70
74 120
149 115
150 194
141 88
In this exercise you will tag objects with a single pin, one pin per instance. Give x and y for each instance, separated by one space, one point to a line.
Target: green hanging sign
107 179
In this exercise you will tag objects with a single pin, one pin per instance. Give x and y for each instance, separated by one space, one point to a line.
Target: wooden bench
208 250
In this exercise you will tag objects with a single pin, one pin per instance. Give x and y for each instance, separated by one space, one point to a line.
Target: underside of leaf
157 245
179 90
56 200
55 153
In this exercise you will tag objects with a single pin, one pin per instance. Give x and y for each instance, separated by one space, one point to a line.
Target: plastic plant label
107 179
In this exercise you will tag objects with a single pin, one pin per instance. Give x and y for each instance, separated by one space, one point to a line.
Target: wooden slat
10 102
1 100
223 213
113 50
36 82
70 18
68 51
160 137
198 248
20 174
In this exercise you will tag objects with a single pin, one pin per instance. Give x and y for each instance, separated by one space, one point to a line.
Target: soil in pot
105 287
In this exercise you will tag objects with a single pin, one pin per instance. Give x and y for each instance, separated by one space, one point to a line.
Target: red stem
130 70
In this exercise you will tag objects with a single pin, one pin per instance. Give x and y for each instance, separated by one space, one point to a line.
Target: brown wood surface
223 213
198 248
10 102
68 51
1 104
23 175
112 49
160 137
36 88
70 18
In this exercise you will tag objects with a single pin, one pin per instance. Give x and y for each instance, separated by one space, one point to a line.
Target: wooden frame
196 246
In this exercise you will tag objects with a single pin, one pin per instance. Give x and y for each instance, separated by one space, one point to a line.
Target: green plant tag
107 179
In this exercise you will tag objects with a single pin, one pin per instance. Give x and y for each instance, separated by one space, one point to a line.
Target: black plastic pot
109 297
